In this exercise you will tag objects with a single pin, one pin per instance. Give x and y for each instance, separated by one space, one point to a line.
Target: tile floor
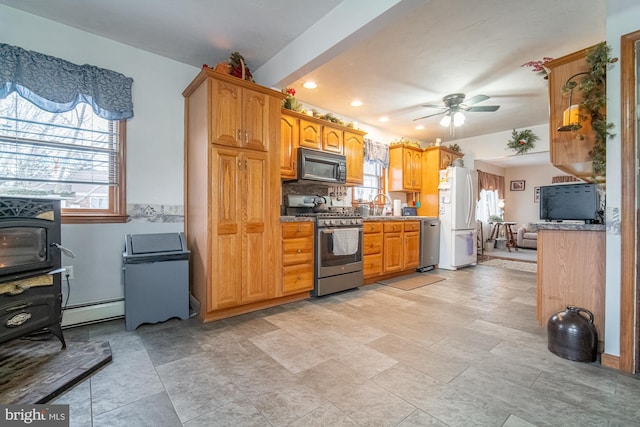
464 351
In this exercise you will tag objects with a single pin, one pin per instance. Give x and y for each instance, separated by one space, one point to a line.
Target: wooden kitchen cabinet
332 139
391 248
354 152
405 168
401 245
433 160
372 249
569 150
232 194
411 244
289 141
310 134
321 135
297 257
239 116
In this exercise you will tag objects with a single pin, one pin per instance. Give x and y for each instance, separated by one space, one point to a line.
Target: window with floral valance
62 133
56 85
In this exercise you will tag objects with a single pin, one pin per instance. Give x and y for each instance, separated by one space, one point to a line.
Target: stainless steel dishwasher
429 244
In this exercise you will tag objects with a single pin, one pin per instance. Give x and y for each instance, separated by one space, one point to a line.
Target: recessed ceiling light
310 85
356 103
383 119
419 127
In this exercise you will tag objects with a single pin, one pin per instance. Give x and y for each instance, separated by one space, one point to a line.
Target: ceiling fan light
446 120
458 119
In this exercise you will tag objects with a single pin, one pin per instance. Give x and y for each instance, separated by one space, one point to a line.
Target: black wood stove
30 273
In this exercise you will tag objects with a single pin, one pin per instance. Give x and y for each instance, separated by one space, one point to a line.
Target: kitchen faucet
388 201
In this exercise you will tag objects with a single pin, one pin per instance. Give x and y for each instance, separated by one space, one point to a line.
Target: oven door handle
330 230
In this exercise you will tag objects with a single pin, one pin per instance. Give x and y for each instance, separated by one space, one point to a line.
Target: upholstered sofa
527 236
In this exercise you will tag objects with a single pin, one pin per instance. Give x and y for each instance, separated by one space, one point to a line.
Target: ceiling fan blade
483 108
433 106
475 99
430 115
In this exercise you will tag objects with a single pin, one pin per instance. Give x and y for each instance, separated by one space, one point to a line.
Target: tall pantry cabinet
232 193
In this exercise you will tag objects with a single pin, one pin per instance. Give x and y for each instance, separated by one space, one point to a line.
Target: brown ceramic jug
573 336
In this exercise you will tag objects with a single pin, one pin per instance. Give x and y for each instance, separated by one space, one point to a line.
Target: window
372 182
75 155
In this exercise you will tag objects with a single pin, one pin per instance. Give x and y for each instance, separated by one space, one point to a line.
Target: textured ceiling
392 55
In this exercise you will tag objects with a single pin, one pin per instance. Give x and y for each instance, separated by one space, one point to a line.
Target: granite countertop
395 218
290 218
569 226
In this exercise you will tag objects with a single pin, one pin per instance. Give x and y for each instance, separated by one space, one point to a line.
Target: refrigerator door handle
469 198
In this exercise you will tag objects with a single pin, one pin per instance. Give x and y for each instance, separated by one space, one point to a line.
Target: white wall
154 143
494 146
520 205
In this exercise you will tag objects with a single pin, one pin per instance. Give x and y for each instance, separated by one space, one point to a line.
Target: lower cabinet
372 249
297 257
391 248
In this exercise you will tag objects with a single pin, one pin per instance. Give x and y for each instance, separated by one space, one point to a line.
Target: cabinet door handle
299 250
246 136
239 135
246 164
299 277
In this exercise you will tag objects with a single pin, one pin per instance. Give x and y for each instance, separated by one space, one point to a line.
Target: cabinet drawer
296 278
297 251
297 229
372 244
372 265
372 227
411 226
393 226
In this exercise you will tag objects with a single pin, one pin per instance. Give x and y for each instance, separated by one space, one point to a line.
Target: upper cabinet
354 151
240 116
299 130
569 150
332 139
310 136
289 141
405 168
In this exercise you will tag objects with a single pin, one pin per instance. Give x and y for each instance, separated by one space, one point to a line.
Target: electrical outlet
69 271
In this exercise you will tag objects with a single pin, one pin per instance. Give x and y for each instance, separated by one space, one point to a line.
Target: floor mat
34 372
530 267
413 282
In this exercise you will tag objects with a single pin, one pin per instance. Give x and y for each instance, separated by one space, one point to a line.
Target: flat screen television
571 202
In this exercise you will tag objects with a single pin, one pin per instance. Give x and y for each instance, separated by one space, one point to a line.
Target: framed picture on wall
536 194
517 185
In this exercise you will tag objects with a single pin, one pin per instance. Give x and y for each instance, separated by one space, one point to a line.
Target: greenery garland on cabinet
522 141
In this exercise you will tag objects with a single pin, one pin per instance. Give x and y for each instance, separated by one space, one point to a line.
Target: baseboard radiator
92 313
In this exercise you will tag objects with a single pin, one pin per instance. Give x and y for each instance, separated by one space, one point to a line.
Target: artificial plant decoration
594 103
539 66
456 148
238 67
290 102
522 141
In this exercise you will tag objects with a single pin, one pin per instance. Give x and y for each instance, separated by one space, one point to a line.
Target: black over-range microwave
314 165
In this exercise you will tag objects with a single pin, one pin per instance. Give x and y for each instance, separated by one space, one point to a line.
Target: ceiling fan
454 105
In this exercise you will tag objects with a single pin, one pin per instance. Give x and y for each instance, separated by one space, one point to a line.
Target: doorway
629 284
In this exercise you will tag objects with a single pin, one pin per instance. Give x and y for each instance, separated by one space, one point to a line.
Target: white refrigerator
458 232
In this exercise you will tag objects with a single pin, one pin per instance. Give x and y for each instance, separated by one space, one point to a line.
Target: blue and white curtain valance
376 152
56 85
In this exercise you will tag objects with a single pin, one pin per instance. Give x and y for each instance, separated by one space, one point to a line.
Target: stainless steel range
338 244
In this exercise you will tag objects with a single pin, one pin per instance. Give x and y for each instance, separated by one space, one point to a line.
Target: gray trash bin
156 278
